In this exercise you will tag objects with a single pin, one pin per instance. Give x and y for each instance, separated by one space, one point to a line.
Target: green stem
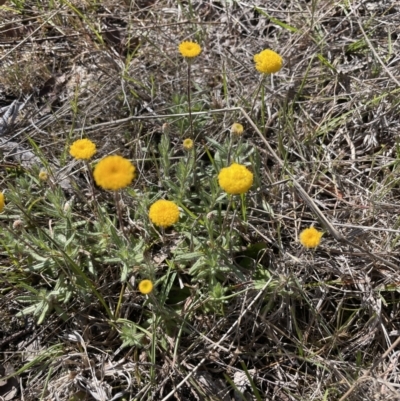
153 350
243 203
191 123
117 198
258 91
189 102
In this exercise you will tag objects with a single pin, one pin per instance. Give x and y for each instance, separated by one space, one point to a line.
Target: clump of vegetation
176 226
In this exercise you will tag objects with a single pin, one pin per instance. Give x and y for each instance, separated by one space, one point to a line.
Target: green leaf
277 21
187 257
325 62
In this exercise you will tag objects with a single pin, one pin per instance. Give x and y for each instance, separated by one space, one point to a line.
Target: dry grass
294 324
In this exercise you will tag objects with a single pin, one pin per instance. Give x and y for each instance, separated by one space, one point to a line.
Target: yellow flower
146 287
189 49
187 144
310 237
114 172
235 179
2 202
164 213
268 62
237 129
82 149
43 176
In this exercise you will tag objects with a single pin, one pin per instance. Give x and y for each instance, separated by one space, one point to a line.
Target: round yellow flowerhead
268 62
43 176
164 213
146 287
235 179
237 129
188 144
2 202
114 173
310 237
82 149
189 49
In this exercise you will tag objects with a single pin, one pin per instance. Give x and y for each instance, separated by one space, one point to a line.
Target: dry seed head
165 128
237 129
18 224
67 206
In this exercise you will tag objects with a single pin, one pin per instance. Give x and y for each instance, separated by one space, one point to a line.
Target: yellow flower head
235 179
188 144
164 213
237 129
82 149
43 176
114 172
310 237
2 202
146 287
268 62
189 49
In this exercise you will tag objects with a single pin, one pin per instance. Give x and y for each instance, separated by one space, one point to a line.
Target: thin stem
258 91
189 101
117 198
90 174
189 168
230 204
153 349
118 308
243 203
228 157
191 122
